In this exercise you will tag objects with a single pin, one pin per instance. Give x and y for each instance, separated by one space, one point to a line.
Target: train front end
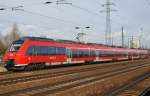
12 55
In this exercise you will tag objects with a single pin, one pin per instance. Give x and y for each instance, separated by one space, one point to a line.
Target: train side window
69 53
86 53
74 53
61 51
80 54
83 53
99 53
37 50
51 51
44 50
30 51
104 53
92 53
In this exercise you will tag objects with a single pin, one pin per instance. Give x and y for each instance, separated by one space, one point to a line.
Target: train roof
61 41
36 39
78 43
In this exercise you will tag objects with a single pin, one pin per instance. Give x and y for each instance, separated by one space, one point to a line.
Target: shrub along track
57 81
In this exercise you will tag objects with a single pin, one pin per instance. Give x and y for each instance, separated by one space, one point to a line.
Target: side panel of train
53 53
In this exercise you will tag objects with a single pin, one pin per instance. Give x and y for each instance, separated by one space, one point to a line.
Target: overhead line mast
108 10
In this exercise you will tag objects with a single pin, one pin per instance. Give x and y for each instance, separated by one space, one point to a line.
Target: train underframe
12 66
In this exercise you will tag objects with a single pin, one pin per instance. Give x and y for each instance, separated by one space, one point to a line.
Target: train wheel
8 68
29 68
38 66
42 66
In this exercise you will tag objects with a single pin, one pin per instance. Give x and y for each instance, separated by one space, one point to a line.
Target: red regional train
29 53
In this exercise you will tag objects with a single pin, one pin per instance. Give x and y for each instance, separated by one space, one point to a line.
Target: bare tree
5 41
13 35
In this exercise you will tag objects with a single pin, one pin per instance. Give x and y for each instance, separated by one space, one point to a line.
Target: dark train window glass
86 53
102 53
43 50
75 54
114 53
130 54
80 54
15 47
37 50
61 51
125 53
99 53
92 54
51 51
30 51
105 53
83 53
110 54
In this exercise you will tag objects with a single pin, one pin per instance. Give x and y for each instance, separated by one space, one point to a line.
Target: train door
97 55
69 55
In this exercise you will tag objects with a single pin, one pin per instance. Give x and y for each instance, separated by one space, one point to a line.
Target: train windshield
15 47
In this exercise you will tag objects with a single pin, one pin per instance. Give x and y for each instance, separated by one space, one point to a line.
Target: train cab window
15 47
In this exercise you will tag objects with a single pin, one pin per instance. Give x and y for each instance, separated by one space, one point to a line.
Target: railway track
73 80
5 73
9 75
77 82
138 87
146 92
8 81
130 85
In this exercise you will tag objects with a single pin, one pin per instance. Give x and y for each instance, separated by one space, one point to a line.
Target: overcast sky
59 21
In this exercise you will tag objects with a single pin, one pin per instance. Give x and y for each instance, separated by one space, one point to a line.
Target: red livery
35 52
